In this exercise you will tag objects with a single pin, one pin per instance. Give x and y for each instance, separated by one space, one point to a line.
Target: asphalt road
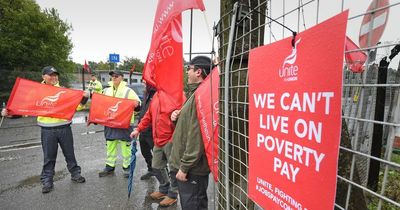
21 163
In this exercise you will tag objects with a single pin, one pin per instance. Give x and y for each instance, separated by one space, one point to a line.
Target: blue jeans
51 137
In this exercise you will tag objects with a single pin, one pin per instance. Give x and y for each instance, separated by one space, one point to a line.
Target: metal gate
369 160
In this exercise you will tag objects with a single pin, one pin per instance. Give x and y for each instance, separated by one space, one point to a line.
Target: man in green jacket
95 85
188 155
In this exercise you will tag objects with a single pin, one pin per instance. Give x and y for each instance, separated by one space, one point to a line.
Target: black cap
116 72
49 70
202 62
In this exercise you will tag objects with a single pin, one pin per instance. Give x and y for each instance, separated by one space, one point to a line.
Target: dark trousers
51 137
193 192
146 146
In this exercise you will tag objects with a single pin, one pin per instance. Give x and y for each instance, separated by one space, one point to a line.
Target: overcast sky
124 26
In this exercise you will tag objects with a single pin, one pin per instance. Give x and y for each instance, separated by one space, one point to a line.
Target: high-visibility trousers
112 153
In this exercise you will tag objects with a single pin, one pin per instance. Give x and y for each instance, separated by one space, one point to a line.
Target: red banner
37 99
163 67
207 114
110 111
86 67
354 60
295 118
133 68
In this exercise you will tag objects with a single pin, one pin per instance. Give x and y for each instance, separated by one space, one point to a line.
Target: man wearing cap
188 155
114 136
95 85
56 131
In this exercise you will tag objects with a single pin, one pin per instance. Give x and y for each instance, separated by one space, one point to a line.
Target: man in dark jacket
163 129
146 136
188 155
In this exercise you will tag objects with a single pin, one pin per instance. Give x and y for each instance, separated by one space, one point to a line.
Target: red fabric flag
354 60
163 67
113 112
207 114
133 68
86 67
37 99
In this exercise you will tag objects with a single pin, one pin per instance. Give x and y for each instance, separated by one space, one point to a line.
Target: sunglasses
115 76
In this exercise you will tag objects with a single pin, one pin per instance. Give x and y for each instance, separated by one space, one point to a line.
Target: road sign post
114 58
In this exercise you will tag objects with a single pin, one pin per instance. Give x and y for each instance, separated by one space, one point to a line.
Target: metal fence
369 162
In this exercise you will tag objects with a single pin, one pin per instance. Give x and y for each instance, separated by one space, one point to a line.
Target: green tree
103 65
127 64
29 40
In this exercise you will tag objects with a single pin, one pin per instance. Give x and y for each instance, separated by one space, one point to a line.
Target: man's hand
175 114
86 94
181 176
134 133
4 112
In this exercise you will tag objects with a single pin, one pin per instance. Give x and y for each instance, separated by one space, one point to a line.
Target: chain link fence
369 158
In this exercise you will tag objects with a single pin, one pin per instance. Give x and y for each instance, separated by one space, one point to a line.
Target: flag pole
2 117
1 122
83 78
191 27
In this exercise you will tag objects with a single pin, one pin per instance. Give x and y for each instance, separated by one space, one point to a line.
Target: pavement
21 162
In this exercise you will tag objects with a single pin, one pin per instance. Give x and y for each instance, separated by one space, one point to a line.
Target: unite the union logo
111 112
50 101
289 70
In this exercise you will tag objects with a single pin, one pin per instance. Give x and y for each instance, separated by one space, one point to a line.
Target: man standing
163 128
55 132
94 85
114 136
146 136
188 155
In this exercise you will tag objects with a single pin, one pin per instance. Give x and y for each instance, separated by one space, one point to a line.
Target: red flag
354 60
86 67
207 114
132 70
37 99
113 112
163 67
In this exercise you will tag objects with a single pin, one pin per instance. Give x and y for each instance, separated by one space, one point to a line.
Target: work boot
48 187
167 201
78 178
157 195
147 175
107 171
126 172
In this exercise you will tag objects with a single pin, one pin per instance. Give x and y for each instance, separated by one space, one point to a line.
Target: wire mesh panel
369 157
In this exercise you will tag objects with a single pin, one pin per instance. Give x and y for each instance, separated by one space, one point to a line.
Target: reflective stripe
112 164
127 92
42 124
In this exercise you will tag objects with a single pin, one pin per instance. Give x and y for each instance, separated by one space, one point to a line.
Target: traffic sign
114 58
373 24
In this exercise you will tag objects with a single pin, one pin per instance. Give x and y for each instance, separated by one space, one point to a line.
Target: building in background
104 78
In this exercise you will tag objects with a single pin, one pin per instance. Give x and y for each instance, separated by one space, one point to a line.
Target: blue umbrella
132 167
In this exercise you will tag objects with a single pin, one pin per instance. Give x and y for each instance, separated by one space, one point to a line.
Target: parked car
139 89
